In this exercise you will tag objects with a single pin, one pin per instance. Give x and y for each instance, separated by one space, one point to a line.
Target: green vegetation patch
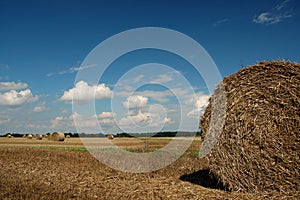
76 149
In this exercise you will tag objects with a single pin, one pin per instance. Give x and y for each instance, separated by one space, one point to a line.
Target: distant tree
75 135
120 135
17 135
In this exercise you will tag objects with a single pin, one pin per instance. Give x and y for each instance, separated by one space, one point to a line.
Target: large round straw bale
8 136
29 136
39 137
110 136
259 146
57 136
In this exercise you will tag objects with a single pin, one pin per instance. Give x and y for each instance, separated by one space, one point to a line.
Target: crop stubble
40 173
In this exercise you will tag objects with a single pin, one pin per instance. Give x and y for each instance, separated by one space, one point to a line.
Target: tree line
120 135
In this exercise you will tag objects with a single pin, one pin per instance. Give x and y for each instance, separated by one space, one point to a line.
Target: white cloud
140 118
106 118
282 5
84 121
82 92
14 98
75 69
107 121
161 96
167 120
145 119
135 101
60 121
138 78
127 88
162 78
199 106
89 122
275 15
222 21
35 127
269 18
263 18
68 122
104 115
72 70
40 108
202 101
6 86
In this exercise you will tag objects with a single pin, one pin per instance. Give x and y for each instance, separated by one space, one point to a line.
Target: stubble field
42 169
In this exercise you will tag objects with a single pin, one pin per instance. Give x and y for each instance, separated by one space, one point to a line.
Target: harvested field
42 169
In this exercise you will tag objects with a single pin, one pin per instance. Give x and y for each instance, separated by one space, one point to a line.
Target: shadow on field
205 179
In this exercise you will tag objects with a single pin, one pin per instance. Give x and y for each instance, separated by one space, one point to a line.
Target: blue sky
44 43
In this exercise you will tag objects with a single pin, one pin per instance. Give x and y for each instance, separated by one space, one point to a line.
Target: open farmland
42 169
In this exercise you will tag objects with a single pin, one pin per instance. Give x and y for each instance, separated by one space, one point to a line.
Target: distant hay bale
39 137
110 136
24 136
57 136
9 136
29 136
68 136
259 146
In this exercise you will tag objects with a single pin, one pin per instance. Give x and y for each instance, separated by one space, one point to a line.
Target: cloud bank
6 86
14 98
136 101
83 92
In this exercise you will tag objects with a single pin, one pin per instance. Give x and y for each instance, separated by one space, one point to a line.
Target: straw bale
57 136
110 136
259 146
29 136
39 137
